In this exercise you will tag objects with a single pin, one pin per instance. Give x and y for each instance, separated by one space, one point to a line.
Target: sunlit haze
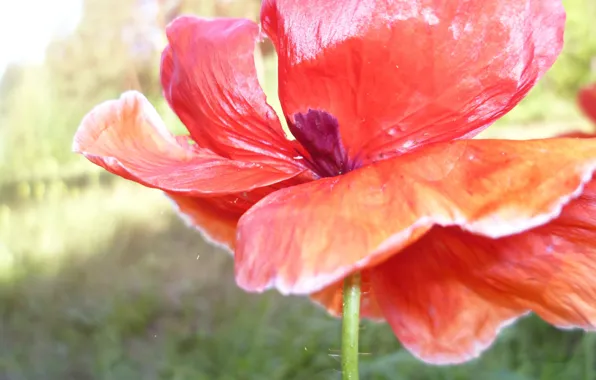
24 33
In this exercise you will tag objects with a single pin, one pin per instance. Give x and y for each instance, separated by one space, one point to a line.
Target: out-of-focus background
100 280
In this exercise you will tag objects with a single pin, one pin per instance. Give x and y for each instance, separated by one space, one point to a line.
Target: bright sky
27 26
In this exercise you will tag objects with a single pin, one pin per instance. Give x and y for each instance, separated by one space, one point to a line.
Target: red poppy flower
586 99
454 237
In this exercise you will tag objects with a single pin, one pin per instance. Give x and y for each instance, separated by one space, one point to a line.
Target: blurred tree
110 51
13 75
214 8
115 47
28 130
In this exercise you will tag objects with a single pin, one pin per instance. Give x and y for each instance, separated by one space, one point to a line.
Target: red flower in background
454 237
586 99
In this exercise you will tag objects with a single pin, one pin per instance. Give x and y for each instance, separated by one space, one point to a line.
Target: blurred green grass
111 285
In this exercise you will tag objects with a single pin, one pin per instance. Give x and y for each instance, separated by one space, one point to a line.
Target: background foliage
99 280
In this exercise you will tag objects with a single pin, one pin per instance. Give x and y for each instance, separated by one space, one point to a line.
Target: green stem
350 327
588 341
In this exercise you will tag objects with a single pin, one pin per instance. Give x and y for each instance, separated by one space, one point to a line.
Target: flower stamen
318 133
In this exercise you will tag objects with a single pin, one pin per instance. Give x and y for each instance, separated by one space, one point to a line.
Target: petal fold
304 238
128 138
403 73
448 295
431 311
549 269
216 217
209 78
216 224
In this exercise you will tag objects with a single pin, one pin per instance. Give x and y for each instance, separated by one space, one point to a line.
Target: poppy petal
433 314
304 238
400 74
216 225
549 269
209 78
578 135
331 298
216 217
587 101
128 138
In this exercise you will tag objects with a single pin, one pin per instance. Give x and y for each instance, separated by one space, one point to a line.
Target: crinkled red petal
209 78
405 73
128 138
304 238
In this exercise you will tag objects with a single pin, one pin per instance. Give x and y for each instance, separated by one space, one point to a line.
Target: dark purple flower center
318 133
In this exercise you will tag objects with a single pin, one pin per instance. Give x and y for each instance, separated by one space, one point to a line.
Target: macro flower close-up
377 173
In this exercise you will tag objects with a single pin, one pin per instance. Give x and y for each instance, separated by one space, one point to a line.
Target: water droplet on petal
408 144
